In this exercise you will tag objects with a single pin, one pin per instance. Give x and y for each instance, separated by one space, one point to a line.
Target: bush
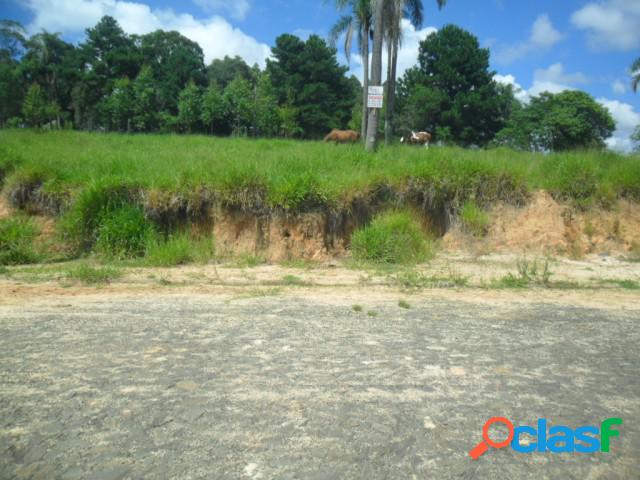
392 238
16 241
178 250
474 220
123 233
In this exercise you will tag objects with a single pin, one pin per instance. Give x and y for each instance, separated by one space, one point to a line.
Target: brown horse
342 136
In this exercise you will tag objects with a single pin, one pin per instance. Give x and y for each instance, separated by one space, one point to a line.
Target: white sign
375 98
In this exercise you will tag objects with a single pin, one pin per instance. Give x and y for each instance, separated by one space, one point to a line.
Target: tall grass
16 241
290 174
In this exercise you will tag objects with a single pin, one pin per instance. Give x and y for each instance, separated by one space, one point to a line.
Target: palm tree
396 11
358 22
635 75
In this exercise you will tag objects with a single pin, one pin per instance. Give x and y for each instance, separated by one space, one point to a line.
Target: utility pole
376 72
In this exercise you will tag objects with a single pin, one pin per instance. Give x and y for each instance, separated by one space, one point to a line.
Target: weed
357 308
394 237
372 313
404 304
292 280
535 273
414 280
16 241
247 261
474 220
626 284
178 249
93 275
589 230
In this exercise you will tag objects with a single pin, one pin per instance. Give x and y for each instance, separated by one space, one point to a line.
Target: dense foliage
553 122
452 92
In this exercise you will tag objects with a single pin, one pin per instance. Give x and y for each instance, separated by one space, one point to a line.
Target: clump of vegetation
404 304
474 219
535 273
93 275
16 241
414 280
372 313
178 249
123 233
357 308
394 237
292 280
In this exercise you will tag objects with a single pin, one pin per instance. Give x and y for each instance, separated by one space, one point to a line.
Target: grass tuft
179 249
16 241
404 304
93 275
474 220
394 237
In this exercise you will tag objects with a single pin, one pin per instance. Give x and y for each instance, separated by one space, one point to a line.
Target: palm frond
635 75
414 11
347 42
340 27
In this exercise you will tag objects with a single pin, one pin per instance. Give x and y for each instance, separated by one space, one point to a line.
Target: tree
34 108
636 139
175 61
118 107
358 21
266 118
189 107
452 92
145 105
554 122
635 75
107 55
397 10
307 77
223 71
376 71
214 112
238 99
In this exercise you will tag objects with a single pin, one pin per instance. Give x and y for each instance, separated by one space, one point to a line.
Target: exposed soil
545 226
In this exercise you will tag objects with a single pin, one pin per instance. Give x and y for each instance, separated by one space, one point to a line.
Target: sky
536 45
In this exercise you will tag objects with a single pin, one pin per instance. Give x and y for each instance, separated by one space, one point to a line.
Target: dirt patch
5 209
547 227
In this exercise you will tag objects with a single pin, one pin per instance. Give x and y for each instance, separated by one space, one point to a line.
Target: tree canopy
452 92
554 122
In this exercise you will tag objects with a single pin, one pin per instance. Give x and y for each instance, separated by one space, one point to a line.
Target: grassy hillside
290 173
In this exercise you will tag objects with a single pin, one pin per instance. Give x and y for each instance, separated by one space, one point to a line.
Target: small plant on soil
357 308
372 313
474 220
93 275
293 280
404 304
530 273
394 237
16 241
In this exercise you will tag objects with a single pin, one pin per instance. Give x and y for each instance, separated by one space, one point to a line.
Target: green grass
16 241
93 275
394 237
294 174
414 280
292 280
404 304
357 308
474 220
179 249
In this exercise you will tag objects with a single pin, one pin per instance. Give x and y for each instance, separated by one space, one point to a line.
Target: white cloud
238 9
543 36
407 55
619 87
519 92
215 35
610 24
626 121
554 79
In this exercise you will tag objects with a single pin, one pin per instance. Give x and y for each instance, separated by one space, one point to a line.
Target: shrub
16 241
178 250
474 220
123 233
394 237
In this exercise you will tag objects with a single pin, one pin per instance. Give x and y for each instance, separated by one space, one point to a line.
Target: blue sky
536 45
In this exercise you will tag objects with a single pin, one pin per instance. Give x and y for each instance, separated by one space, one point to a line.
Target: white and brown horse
418 138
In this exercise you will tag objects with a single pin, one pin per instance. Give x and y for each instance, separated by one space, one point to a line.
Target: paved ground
298 385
